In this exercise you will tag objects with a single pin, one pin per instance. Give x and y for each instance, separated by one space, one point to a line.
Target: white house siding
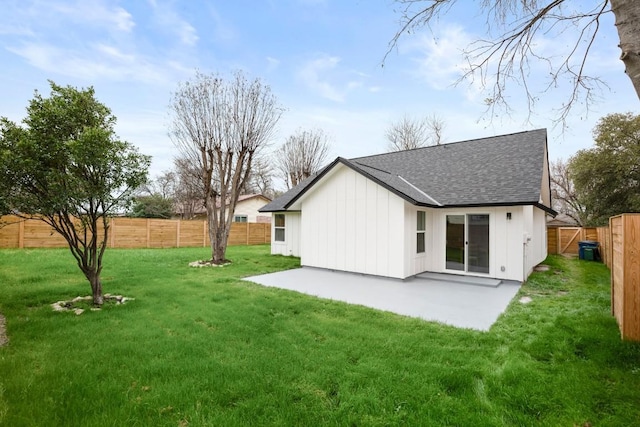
249 207
415 263
506 240
538 245
350 223
292 236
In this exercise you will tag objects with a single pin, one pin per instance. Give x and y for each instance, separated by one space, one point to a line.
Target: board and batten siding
506 240
350 223
414 262
292 235
537 247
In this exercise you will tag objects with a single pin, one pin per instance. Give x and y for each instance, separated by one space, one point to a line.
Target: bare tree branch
564 197
219 126
409 133
302 155
505 61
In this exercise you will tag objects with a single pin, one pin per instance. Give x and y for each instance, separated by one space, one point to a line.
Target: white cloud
169 20
325 76
272 63
441 61
95 13
14 29
101 61
314 75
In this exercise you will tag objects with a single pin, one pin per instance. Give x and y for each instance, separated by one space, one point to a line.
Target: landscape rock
525 300
70 305
199 264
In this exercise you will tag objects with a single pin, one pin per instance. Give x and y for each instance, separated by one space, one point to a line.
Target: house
475 207
562 220
246 209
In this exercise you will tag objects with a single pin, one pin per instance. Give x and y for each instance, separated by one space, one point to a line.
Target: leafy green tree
65 166
153 206
607 176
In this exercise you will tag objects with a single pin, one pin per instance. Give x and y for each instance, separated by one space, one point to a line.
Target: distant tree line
602 181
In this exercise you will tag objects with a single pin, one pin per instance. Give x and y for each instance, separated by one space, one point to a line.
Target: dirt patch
3 331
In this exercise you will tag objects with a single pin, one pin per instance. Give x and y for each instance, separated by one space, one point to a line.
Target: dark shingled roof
499 170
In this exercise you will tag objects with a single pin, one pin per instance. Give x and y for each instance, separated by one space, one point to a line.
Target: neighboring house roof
562 220
495 171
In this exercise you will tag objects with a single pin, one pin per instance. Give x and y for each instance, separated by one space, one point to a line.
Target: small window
420 232
240 218
279 227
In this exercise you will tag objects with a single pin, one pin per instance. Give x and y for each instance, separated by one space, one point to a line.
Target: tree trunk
212 225
96 287
627 13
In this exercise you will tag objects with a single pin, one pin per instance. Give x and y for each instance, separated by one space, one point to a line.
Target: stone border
200 264
69 305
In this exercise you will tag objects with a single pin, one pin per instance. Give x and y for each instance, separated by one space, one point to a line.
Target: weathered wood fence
133 233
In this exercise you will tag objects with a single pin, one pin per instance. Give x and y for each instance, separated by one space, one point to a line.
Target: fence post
204 233
178 234
21 234
148 233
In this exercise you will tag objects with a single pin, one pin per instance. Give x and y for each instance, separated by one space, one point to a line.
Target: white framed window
421 224
240 218
279 227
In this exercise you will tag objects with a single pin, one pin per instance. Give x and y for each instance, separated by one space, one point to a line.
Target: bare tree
261 178
302 155
220 125
189 199
507 58
409 133
564 197
163 185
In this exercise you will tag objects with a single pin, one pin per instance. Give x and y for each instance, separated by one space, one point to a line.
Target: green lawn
201 347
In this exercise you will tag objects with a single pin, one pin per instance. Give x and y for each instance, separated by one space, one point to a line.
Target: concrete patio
460 301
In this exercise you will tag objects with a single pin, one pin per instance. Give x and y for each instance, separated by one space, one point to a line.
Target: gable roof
494 171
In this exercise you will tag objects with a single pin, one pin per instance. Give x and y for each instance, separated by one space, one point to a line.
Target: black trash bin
589 250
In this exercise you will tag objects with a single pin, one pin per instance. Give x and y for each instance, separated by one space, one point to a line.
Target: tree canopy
65 166
607 176
152 206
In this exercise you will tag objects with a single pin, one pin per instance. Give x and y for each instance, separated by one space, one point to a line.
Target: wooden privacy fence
133 233
620 250
564 240
625 273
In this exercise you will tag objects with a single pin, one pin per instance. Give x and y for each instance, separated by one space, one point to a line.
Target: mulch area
3 331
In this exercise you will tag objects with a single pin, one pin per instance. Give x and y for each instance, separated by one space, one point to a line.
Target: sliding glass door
467 244
455 242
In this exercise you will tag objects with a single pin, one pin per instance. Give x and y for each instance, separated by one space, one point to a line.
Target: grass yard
201 347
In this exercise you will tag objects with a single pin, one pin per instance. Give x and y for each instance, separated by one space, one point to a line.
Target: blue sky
322 59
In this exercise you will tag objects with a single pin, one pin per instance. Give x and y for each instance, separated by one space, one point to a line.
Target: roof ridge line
372 167
420 191
447 143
